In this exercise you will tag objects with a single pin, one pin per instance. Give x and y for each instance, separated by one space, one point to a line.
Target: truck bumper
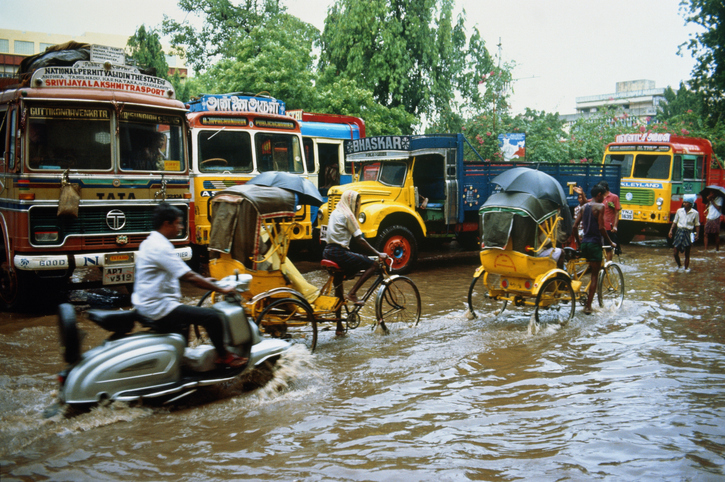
31 262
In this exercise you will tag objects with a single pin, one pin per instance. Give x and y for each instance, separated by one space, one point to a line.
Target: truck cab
410 190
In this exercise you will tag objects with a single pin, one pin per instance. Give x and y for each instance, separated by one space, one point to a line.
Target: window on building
24 48
171 60
44 46
4 45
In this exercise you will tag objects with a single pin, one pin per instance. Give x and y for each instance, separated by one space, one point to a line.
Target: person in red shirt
611 217
611 214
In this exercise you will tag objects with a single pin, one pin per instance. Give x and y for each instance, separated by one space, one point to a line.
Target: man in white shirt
686 221
157 291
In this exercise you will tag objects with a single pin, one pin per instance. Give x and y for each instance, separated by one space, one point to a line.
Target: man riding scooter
157 290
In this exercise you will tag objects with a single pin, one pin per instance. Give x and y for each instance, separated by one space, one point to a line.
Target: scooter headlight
361 218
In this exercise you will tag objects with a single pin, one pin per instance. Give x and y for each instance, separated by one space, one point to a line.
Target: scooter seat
118 322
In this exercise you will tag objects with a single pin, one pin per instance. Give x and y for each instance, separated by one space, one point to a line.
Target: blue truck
414 188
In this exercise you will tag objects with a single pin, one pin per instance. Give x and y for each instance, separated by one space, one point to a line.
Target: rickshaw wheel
293 318
610 289
398 302
555 302
478 298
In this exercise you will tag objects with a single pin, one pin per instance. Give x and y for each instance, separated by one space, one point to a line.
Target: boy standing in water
592 217
686 220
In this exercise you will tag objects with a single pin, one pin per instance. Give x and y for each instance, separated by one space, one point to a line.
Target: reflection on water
635 393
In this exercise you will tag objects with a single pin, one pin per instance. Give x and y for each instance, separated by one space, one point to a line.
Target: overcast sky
563 49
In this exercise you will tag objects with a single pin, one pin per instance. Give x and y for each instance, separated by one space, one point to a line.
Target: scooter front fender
267 348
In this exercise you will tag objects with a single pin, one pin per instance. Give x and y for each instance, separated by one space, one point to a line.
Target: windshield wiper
217 132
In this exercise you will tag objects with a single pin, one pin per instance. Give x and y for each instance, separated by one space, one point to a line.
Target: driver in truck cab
156 290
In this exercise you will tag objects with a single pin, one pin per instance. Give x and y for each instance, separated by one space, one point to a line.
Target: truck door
452 188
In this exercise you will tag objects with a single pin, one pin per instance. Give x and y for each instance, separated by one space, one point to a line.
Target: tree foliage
145 50
409 53
708 48
224 26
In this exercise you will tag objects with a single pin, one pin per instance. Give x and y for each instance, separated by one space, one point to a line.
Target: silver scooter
146 364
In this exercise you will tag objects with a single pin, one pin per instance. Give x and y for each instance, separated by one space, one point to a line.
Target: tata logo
115 219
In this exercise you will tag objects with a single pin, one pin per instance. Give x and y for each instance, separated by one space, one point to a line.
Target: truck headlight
361 217
660 201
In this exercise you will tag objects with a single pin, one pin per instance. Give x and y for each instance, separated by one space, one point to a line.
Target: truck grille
332 203
94 221
640 197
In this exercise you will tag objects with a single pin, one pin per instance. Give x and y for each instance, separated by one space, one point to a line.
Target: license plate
627 214
118 275
323 232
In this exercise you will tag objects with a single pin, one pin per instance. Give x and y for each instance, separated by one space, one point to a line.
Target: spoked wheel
398 302
610 289
555 302
479 301
291 320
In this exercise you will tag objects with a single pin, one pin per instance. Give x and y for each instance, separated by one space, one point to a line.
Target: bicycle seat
330 265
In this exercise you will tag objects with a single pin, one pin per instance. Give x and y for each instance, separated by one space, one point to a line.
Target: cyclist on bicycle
592 216
341 229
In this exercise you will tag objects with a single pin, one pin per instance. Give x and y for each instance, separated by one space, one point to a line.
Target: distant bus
234 137
657 171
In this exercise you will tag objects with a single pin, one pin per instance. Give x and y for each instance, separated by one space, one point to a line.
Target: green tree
409 54
145 50
275 58
224 26
588 136
708 48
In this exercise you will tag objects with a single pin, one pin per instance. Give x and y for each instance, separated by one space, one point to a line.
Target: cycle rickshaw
250 235
519 232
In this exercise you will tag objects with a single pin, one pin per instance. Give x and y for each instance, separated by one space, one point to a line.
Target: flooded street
634 394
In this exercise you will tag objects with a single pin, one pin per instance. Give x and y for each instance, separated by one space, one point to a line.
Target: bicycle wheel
398 302
479 301
555 302
291 320
610 290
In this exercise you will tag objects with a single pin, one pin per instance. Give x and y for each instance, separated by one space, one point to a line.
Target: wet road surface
634 394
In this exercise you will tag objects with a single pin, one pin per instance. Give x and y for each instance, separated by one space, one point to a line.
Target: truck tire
399 243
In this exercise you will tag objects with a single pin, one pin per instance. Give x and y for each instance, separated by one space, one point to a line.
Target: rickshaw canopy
514 215
238 216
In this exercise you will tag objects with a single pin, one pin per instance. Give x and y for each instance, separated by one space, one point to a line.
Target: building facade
639 99
15 45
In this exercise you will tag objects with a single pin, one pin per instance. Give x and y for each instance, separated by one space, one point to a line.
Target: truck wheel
399 243
14 288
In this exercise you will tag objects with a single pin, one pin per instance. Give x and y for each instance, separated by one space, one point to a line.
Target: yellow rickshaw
520 234
250 236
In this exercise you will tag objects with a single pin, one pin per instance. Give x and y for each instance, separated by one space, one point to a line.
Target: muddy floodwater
634 394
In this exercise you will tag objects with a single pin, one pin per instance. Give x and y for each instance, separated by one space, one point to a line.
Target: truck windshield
225 150
624 160
151 142
278 152
652 166
68 138
390 173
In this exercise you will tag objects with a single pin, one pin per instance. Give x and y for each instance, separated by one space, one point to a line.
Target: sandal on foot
340 333
354 300
587 311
